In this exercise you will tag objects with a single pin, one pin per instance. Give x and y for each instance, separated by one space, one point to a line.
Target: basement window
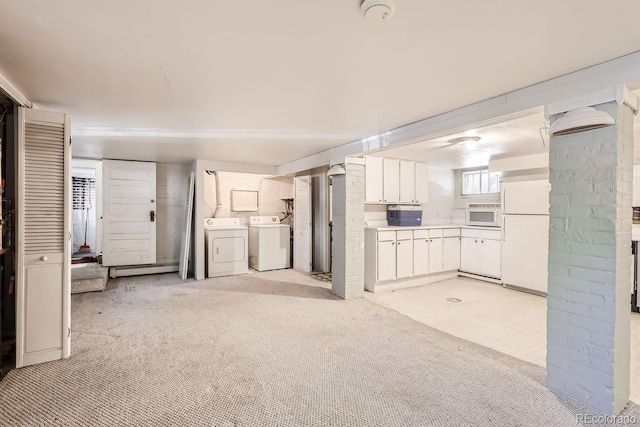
480 181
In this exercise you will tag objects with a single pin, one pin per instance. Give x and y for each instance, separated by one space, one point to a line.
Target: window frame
481 170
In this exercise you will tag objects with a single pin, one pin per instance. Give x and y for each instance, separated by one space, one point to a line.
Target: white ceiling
269 82
526 134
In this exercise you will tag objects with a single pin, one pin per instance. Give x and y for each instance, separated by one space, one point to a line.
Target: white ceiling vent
378 10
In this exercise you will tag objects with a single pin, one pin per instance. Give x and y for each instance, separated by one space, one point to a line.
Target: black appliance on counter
636 267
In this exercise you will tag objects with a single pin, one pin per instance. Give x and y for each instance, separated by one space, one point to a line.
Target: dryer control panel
262 220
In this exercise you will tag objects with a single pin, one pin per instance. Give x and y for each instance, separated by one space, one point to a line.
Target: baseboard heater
479 277
140 270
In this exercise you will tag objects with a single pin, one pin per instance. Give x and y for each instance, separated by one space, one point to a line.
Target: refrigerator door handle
504 200
504 223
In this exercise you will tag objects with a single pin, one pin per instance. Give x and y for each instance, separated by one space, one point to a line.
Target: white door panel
302 223
45 300
469 255
490 258
420 257
451 253
129 208
435 256
525 251
391 185
373 179
404 259
228 249
386 261
407 181
422 183
43 242
526 197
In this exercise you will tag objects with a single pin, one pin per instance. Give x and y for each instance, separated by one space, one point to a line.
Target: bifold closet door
43 239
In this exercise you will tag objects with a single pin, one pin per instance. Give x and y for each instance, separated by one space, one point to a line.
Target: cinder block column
588 305
347 263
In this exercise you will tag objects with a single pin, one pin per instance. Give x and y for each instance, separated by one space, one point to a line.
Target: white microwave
484 214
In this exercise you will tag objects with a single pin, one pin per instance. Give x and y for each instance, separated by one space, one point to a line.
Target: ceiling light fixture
336 170
378 10
464 140
579 120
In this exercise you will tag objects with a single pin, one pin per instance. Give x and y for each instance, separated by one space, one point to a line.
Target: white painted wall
270 190
441 183
171 193
441 203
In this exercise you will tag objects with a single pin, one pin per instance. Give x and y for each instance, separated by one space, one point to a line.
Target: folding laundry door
43 239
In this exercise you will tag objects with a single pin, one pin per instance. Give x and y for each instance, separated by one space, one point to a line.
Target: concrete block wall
348 232
588 330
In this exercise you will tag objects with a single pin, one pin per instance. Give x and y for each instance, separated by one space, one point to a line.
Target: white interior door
43 252
302 223
129 209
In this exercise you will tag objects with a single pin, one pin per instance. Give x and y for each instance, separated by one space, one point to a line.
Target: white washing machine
227 247
269 243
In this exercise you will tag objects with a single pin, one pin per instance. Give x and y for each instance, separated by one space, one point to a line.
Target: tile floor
505 320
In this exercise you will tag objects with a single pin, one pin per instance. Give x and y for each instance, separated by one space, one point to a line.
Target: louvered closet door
43 246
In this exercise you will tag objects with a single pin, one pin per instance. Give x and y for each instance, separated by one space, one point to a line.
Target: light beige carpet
263 349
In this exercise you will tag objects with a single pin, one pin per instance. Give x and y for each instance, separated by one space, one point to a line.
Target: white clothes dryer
227 247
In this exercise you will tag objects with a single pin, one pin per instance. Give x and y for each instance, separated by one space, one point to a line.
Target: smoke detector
378 10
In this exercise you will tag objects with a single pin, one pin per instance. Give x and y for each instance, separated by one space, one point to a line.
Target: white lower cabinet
490 257
450 253
469 254
404 259
480 252
386 260
420 257
401 255
435 255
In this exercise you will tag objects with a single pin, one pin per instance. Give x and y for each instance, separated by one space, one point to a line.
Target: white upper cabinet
391 183
395 181
407 181
421 183
373 179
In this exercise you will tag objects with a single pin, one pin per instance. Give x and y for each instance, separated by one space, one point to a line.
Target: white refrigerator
525 234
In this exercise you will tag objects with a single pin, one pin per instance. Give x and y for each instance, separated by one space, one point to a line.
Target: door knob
44 258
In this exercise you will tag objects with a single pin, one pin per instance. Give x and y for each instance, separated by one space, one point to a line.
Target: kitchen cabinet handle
481 241
476 241
393 243
399 243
